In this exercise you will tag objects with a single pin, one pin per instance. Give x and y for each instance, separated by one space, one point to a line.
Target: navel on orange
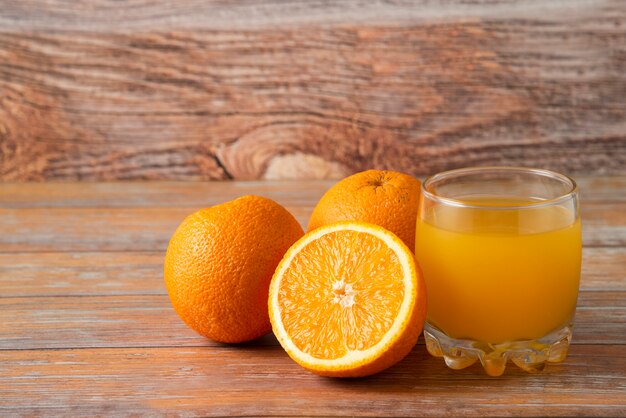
381 197
347 300
219 264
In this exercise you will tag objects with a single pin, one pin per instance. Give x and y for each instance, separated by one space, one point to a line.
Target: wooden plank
93 333
79 322
177 194
464 83
603 223
108 15
83 274
603 269
150 228
113 229
141 273
601 188
202 194
149 321
262 381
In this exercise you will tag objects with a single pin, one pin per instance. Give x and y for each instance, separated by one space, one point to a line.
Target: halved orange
347 300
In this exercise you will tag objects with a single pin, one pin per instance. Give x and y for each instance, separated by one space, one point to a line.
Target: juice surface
497 275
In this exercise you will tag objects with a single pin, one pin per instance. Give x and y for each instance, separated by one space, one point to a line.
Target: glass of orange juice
500 249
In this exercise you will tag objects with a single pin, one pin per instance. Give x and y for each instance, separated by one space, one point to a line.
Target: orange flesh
341 293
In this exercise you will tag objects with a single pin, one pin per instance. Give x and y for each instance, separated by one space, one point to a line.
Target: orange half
347 300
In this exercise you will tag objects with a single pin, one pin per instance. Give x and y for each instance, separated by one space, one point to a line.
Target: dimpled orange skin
219 264
385 198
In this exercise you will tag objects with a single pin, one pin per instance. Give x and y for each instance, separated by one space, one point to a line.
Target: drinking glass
500 249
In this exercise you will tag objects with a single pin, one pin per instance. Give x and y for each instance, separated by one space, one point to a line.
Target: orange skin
385 198
219 264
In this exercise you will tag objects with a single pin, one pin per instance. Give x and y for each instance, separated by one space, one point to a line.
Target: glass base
529 355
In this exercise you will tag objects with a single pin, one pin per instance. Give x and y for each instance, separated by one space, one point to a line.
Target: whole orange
385 198
219 264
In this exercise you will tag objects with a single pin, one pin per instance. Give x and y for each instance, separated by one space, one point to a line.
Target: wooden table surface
87 328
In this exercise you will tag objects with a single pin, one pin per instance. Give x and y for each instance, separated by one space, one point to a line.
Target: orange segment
360 291
347 300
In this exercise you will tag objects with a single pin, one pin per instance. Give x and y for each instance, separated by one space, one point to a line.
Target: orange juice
496 274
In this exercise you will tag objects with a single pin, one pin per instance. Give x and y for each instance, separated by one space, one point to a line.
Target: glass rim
573 191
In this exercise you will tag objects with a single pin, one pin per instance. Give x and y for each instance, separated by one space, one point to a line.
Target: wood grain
263 381
603 268
133 217
113 229
107 15
150 321
100 273
176 194
92 333
149 229
141 273
120 321
204 194
298 89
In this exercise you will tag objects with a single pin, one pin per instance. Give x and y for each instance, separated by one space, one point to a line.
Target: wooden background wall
248 89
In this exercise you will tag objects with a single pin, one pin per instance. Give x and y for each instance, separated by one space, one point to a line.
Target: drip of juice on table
497 274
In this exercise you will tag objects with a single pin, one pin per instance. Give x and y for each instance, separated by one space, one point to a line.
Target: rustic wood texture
201 194
146 321
150 228
263 381
72 273
250 90
87 328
